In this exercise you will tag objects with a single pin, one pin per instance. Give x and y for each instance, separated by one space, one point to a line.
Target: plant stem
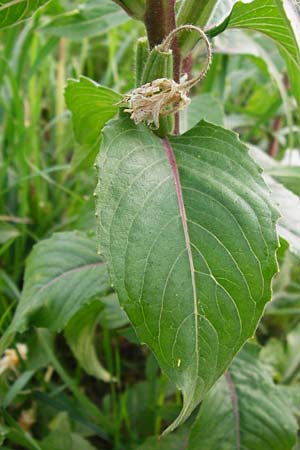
157 20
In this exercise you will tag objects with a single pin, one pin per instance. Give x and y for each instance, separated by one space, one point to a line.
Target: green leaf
275 19
14 11
245 410
80 335
91 106
91 18
62 274
188 230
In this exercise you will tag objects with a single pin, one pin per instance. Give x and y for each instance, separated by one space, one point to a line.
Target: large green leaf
245 410
92 106
278 20
188 230
14 11
91 18
62 274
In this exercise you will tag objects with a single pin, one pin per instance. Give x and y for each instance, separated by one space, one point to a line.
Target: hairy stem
157 20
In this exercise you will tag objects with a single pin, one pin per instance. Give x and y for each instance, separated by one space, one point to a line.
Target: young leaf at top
14 11
62 274
188 230
245 410
91 106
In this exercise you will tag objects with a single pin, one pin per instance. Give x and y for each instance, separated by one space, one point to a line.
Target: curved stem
165 46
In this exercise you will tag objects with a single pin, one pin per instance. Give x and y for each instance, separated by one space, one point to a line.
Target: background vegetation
99 388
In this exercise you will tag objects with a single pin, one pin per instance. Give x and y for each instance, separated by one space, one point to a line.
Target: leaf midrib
174 168
67 273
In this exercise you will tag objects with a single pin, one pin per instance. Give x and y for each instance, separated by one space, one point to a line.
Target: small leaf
245 410
62 274
80 335
92 106
91 18
188 230
14 11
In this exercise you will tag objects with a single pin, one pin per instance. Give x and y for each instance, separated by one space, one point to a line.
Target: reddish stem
274 144
157 21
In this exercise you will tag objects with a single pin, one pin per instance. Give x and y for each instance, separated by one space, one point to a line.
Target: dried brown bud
152 100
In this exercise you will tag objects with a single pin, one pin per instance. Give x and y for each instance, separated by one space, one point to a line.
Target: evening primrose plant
190 228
